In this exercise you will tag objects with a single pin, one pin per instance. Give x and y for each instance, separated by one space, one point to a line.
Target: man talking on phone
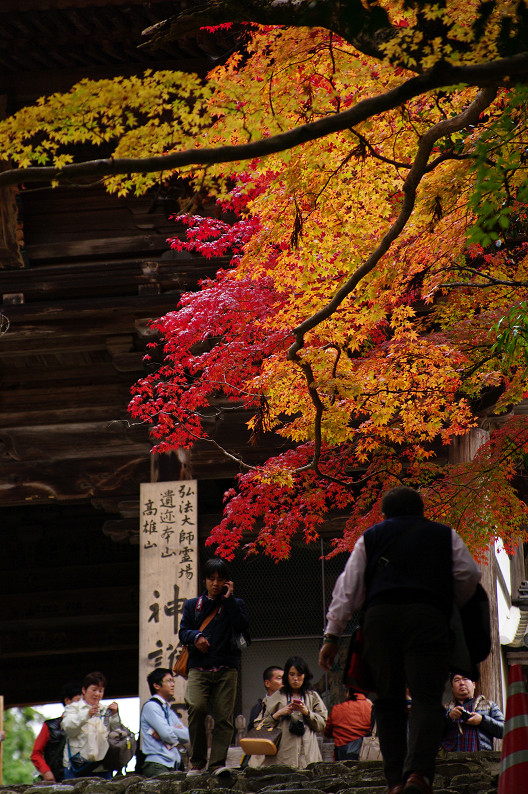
213 664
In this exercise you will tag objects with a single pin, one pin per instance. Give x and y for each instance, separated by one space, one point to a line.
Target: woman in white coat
86 725
301 714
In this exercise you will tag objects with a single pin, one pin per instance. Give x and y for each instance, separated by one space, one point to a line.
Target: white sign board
168 573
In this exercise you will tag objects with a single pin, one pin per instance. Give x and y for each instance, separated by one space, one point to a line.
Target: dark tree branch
492 282
410 186
442 74
363 26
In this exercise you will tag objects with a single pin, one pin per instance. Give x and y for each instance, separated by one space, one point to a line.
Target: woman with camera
86 725
301 714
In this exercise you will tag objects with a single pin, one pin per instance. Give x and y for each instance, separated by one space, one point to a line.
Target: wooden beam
63 607
70 441
72 480
517 657
105 410
122 309
68 396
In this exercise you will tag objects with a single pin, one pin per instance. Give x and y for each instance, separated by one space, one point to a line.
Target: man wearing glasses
161 729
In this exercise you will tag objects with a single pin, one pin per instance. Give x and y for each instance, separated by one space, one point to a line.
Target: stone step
456 773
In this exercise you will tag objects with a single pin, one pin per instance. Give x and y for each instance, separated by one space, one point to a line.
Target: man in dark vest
49 744
404 573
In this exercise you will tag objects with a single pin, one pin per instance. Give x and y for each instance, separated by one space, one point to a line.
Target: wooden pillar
464 449
1 743
11 231
490 684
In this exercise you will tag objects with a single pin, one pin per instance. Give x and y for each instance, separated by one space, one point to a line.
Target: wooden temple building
81 274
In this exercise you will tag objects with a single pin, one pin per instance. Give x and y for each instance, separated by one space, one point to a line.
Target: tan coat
297 751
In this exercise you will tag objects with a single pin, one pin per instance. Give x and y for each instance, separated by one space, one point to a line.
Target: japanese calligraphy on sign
168 570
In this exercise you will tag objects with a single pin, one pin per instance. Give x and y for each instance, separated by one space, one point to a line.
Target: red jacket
349 720
37 756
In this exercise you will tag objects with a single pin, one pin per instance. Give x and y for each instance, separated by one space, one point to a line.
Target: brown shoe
417 784
397 789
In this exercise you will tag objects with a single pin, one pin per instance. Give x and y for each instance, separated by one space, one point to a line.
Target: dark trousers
407 645
153 769
87 772
214 693
349 751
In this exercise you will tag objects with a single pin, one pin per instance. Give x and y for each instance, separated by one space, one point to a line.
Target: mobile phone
297 702
224 590
465 715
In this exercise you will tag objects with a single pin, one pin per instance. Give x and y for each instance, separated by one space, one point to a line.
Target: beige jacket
74 724
297 751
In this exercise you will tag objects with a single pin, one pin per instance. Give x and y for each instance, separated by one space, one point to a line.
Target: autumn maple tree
369 170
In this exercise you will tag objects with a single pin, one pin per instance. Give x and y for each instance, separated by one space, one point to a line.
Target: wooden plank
37 286
35 369
57 340
52 414
75 480
68 396
125 267
87 224
35 333
517 657
68 442
73 575
115 631
123 309
62 606
107 245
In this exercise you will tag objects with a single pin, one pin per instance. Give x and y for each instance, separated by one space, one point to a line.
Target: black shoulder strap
151 700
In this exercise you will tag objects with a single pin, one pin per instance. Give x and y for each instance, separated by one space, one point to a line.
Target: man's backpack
54 749
122 746
140 758
140 755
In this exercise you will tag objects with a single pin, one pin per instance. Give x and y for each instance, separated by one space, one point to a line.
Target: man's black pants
407 645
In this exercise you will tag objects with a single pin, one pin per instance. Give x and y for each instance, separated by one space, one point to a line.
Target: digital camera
297 727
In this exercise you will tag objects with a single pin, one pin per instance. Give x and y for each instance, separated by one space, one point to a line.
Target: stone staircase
457 773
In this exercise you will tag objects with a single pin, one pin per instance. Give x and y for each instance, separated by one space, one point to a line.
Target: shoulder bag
370 748
470 634
355 673
262 741
122 746
181 663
